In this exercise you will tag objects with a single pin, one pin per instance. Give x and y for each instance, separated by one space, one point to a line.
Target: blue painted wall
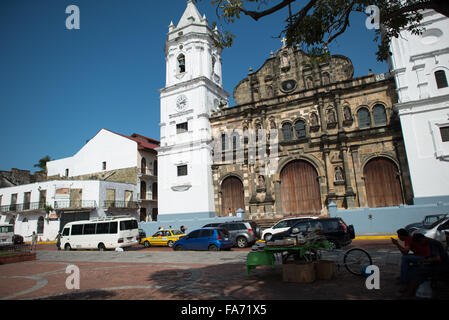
191 221
387 219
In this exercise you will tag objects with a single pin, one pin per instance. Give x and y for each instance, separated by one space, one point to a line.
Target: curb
373 237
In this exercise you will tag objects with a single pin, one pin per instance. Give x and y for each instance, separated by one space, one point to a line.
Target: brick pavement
124 280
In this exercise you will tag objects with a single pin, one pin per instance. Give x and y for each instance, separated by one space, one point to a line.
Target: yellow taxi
163 238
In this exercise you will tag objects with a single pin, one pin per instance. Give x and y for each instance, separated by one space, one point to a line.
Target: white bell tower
193 90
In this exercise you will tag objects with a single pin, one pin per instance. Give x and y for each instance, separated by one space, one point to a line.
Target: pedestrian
436 263
58 240
183 229
33 241
418 250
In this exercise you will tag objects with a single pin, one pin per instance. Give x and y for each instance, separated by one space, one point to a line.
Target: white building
70 200
115 157
192 92
420 64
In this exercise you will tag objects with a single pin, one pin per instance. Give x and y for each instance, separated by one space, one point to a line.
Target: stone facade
127 175
291 88
17 177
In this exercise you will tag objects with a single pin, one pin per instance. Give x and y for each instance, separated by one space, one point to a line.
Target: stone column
350 195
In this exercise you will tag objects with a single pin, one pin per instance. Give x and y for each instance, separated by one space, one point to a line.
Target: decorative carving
285 61
331 120
314 125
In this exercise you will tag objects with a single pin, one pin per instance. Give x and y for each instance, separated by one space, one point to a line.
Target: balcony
120 204
146 197
146 173
75 204
20 207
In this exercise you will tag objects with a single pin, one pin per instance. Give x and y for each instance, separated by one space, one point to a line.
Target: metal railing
121 204
75 204
23 207
146 171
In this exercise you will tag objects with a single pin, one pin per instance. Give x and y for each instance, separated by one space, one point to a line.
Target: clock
181 102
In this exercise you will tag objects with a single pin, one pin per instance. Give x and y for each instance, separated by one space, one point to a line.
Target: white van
100 233
282 226
6 233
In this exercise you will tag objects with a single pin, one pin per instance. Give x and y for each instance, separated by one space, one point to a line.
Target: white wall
422 107
92 191
117 151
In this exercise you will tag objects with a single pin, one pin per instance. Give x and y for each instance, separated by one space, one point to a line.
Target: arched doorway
154 190
383 187
40 225
143 166
143 214
300 189
232 196
143 190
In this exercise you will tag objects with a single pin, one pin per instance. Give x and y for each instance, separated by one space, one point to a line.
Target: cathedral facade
305 133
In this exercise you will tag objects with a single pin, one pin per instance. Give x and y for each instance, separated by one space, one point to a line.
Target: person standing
58 240
33 241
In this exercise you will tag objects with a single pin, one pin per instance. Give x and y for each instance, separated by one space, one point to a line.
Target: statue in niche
313 119
261 182
338 174
309 82
270 91
347 113
285 62
331 116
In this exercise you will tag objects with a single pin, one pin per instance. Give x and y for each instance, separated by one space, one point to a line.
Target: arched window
440 77
235 141
40 225
300 128
182 63
287 131
143 166
364 118
379 115
155 167
154 187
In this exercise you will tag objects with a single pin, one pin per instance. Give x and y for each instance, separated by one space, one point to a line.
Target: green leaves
319 22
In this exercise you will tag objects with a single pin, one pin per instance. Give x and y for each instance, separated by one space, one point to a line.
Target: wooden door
300 189
382 184
232 196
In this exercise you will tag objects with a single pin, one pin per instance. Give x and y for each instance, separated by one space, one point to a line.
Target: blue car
212 239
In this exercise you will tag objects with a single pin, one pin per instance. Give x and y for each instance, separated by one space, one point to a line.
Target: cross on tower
283 40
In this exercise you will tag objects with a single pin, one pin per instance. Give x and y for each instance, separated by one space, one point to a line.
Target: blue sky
59 87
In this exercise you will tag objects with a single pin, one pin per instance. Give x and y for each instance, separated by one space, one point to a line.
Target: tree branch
257 15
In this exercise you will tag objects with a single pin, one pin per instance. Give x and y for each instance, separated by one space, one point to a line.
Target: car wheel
101 247
147 244
170 243
267 237
67 247
178 248
213 247
242 242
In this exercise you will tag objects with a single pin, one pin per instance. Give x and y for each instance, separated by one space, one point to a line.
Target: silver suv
243 233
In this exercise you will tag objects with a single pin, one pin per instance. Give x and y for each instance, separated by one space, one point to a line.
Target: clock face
181 102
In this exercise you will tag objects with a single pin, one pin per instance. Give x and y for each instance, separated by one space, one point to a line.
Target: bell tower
193 90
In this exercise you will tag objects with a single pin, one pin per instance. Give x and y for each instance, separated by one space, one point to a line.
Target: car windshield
431 219
177 232
433 225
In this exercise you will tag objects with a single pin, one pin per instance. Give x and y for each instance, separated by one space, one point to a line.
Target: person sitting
436 263
418 250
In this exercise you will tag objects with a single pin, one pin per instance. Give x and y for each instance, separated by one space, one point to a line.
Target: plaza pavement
155 274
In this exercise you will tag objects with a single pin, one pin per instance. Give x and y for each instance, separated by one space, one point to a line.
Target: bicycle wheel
355 259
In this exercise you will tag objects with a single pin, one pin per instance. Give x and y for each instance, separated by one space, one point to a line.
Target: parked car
163 238
427 221
17 239
212 239
281 226
142 234
336 231
437 230
243 233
